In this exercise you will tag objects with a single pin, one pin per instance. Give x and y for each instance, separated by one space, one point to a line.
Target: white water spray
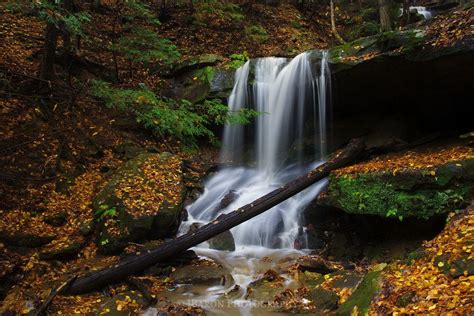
287 93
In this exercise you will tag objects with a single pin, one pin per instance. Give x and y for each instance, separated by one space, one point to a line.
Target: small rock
57 219
128 150
205 272
120 304
86 228
224 241
315 264
61 252
405 299
323 299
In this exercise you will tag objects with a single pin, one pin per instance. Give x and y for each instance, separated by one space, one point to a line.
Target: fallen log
169 248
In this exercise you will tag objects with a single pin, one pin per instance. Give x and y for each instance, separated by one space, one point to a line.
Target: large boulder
393 86
142 199
409 192
196 79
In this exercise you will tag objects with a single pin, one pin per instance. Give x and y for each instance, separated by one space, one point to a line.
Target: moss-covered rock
323 299
363 295
203 272
408 193
142 199
193 63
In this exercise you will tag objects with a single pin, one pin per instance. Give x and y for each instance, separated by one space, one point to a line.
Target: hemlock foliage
167 117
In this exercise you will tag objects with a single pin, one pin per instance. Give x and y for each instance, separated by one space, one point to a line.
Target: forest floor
39 155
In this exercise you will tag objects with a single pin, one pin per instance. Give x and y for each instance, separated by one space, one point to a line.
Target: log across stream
134 265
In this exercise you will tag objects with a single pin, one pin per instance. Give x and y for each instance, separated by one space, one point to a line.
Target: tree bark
333 24
46 72
127 267
384 11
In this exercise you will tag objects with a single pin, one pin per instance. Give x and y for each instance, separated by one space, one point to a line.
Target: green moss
256 33
414 194
363 295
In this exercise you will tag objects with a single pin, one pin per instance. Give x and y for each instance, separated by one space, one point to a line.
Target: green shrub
55 14
205 74
296 24
167 117
143 45
215 13
238 60
14 6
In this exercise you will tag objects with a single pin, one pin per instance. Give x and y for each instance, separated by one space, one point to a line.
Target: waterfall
233 134
422 11
285 141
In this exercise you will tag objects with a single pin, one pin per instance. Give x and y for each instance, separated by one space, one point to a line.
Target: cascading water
422 11
286 93
292 97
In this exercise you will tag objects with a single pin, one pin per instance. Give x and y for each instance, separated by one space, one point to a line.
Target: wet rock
323 299
195 194
235 292
202 272
363 294
316 264
311 279
224 241
316 239
154 214
222 83
227 200
266 287
184 215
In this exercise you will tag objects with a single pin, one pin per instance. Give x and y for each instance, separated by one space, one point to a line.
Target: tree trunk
333 24
173 247
46 72
384 10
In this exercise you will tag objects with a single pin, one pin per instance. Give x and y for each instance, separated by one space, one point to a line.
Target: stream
292 97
